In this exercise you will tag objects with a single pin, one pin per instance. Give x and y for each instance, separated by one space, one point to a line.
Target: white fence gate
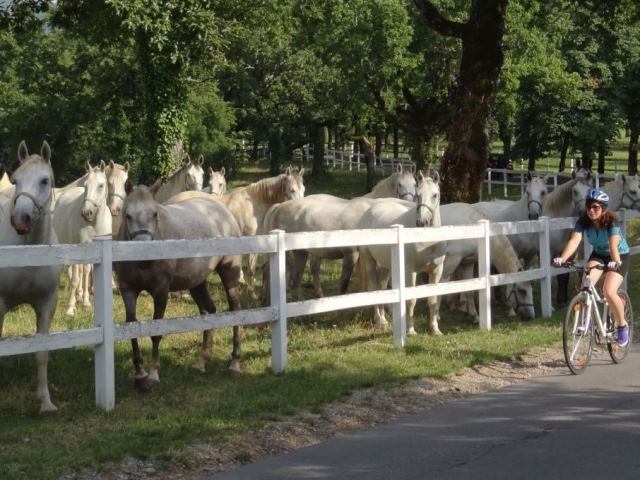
104 251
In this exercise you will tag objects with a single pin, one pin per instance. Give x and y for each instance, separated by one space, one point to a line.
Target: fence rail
275 244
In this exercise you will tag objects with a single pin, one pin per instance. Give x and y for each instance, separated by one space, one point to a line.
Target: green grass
330 355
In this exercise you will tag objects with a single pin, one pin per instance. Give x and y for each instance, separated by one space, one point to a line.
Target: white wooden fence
353 160
505 178
104 251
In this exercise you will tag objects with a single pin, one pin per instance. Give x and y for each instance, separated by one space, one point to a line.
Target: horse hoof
142 383
437 332
412 331
234 368
48 407
71 312
154 377
200 366
87 304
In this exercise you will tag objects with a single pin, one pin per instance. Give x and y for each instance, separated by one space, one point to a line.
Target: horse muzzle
21 223
534 216
409 197
142 235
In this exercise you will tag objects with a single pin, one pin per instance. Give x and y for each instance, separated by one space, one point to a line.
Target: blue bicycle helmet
597 195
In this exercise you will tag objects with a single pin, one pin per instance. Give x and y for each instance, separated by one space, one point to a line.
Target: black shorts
604 259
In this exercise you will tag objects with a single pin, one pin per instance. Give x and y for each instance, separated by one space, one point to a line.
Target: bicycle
584 325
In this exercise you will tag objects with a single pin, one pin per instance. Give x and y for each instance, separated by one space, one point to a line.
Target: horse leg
44 314
159 306
202 298
434 312
266 284
229 276
369 279
411 330
86 284
130 299
75 279
383 276
348 264
252 260
299 262
563 289
315 275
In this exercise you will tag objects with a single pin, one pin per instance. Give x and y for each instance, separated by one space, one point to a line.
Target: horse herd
103 202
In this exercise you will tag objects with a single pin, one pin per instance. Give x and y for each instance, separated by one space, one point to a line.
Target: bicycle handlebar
578 267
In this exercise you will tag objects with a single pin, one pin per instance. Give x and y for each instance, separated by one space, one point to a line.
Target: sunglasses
594 206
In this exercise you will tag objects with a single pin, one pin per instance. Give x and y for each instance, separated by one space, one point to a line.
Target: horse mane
268 190
383 187
503 255
615 189
559 197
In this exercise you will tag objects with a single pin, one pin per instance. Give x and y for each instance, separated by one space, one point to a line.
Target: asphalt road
555 427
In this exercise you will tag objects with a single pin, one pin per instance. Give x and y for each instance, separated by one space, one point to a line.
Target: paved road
555 427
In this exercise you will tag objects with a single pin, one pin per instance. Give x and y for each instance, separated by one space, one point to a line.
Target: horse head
95 191
520 298
194 173
33 188
427 199
140 213
579 192
117 177
536 194
293 184
630 191
217 182
404 183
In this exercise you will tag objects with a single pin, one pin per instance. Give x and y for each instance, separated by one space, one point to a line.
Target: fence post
545 262
105 382
597 180
504 182
489 181
555 181
484 272
278 285
398 282
622 215
521 184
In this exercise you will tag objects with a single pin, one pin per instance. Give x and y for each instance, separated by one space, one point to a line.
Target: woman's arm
614 241
571 246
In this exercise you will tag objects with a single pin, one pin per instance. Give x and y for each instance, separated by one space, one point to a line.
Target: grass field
330 355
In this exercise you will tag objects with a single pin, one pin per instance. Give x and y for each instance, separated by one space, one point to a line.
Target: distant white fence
353 160
496 178
104 251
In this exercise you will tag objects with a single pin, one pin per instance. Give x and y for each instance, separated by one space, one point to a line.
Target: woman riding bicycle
609 249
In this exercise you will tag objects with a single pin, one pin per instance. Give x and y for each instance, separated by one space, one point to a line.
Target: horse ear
156 186
399 168
529 175
45 151
112 165
2 170
420 176
23 151
210 171
222 171
87 166
435 176
287 172
128 187
201 160
126 167
186 160
301 172
103 166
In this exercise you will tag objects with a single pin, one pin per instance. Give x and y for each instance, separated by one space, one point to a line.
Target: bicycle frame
593 298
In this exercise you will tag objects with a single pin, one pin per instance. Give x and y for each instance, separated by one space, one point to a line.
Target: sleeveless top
599 239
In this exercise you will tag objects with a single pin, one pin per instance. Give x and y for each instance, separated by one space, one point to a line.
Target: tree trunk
506 142
379 138
564 148
482 59
418 150
367 151
533 156
601 157
276 149
633 148
587 159
396 146
254 150
319 137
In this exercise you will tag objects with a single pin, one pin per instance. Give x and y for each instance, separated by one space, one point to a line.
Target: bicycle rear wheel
577 336
618 353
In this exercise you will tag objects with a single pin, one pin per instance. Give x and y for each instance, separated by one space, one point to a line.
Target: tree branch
434 19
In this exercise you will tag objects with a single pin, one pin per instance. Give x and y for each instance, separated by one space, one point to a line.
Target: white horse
217 182
464 254
568 200
117 177
624 192
5 181
400 184
419 257
81 215
26 220
529 207
189 177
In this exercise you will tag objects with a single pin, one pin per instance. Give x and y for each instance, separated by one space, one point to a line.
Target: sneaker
623 336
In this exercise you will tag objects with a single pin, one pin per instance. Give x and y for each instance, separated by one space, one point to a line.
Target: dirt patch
362 409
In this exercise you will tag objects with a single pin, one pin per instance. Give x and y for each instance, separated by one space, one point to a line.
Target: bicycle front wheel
618 353
577 336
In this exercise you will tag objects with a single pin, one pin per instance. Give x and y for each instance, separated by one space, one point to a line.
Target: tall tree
482 59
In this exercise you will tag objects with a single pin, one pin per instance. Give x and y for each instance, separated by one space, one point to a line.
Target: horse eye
435 195
44 182
155 215
128 217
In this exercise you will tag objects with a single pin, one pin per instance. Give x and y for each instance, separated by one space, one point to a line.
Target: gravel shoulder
361 410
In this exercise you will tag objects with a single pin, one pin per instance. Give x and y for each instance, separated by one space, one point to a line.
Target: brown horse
197 218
